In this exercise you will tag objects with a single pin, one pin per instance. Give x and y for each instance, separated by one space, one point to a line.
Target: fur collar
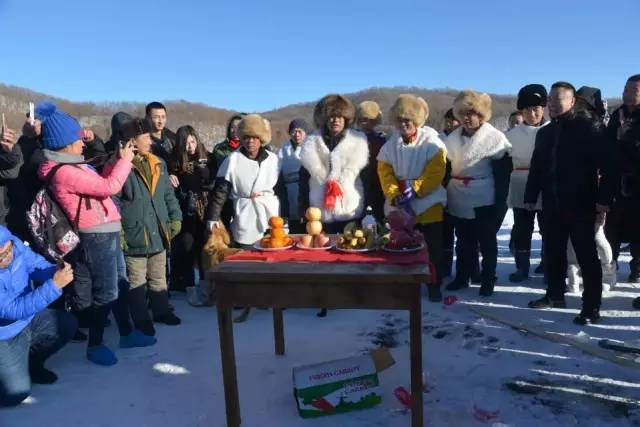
487 142
352 152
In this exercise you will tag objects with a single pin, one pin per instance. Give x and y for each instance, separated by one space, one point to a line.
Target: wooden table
316 285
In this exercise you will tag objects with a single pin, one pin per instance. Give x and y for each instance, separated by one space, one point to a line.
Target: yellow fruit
306 240
314 228
353 243
358 234
278 233
313 214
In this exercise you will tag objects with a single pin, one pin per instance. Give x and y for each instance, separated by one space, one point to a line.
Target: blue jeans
47 333
96 270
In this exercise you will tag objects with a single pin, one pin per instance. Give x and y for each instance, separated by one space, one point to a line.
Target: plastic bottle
369 222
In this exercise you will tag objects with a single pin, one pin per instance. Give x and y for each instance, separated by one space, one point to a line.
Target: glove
407 196
175 228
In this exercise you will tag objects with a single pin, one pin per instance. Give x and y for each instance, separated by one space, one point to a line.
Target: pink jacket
71 181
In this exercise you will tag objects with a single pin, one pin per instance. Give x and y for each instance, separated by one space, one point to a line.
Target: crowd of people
144 202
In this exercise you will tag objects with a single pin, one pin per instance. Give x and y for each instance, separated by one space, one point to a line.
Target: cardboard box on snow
340 385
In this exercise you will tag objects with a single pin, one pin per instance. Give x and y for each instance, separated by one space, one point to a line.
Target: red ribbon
332 193
234 143
465 179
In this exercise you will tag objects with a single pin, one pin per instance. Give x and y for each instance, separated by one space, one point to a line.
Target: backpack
54 236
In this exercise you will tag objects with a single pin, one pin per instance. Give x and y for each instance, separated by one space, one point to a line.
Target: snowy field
467 360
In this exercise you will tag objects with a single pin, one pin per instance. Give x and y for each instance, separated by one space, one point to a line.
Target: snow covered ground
468 360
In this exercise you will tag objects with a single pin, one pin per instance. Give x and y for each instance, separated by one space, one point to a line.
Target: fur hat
468 100
369 110
410 107
532 95
255 125
333 106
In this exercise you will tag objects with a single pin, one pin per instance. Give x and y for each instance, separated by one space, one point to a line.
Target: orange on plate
278 233
276 222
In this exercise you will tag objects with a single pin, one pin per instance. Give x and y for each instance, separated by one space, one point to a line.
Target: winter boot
434 293
160 308
634 276
101 355
546 302
486 288
587 317
457 284
522 266
136 339
41 375
137 299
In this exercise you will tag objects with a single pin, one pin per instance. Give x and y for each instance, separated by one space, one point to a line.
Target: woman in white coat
333 158
531 102
248 177
477 191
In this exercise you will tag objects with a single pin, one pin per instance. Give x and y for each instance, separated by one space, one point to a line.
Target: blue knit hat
58 128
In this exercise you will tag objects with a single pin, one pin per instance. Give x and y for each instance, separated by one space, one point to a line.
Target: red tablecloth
300 255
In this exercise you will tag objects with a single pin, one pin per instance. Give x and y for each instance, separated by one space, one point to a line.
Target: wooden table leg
416 361
278 330
229 376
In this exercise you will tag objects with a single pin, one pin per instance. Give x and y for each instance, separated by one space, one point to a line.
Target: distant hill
210 122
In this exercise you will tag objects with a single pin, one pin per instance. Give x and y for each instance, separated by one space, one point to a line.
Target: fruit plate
355 251
257 247
330 245
403 251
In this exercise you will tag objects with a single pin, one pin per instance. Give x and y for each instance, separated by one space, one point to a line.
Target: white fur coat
472 183
342 165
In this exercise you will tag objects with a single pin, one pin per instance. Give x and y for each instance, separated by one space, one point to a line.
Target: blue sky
257 55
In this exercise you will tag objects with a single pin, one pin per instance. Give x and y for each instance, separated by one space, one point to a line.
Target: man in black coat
573 166
623 223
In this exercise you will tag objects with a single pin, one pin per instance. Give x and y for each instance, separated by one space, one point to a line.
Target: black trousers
433 237
482 231
558 228
186 250
622 226
448 239
523 225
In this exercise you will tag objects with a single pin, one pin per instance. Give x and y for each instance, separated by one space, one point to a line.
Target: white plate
403 251
306 248
354 251
257 246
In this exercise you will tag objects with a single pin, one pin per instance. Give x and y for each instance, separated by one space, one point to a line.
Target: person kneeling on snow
29 332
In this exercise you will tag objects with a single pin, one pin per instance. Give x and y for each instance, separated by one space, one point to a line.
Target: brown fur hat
469 100
410 107
255 125
369 110
333 106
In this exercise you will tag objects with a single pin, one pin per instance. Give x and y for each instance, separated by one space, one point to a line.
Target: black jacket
627 147
10 163
572 165
163 147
